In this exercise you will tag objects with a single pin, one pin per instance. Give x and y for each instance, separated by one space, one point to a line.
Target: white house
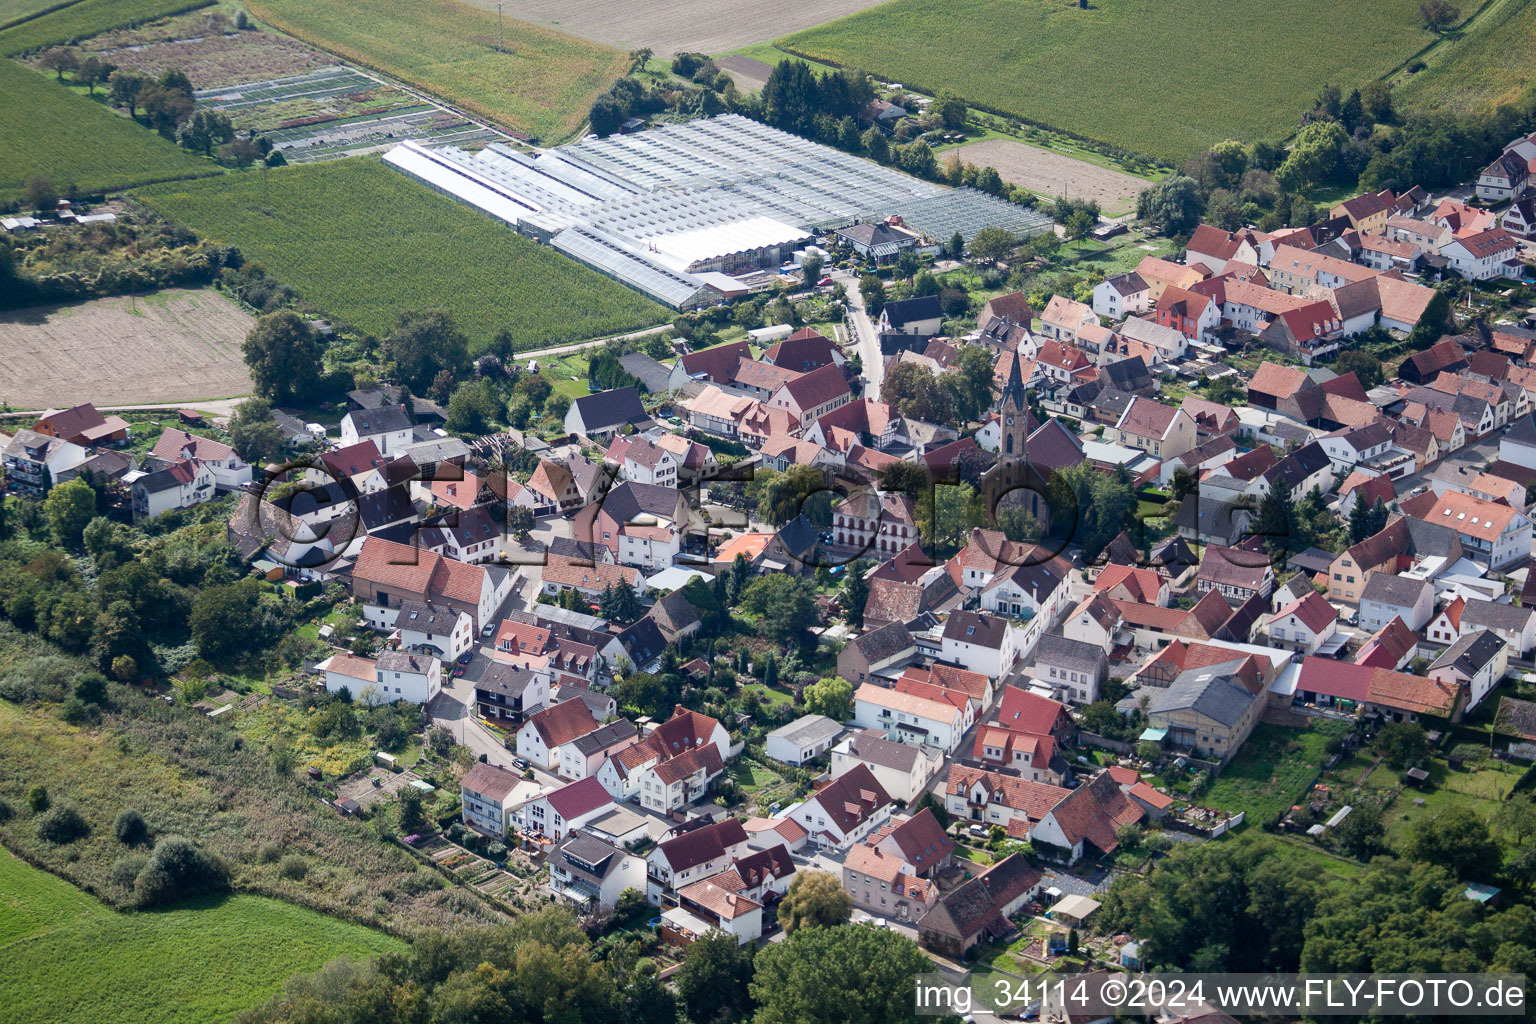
591 874
1305 624
540 738
388 427
401 675
1485 255
804 739
179 485
693 855
348 672
908 718
902 769
488 795
571 806
1476 662
229 471
1388 596
433 629
980 643
1119 296
845 811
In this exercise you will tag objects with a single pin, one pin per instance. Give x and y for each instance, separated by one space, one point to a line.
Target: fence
1105 743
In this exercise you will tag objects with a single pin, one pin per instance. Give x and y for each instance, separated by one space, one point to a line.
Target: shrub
177 870
293 867
62 825
130 828
268 853
126 869
5 811
37 798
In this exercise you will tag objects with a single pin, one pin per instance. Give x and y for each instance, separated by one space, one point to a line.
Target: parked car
522 764
459 669
489 629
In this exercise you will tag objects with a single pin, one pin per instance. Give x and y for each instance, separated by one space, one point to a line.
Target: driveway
449 709
865 341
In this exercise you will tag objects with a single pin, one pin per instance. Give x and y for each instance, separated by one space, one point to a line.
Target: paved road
866 342
450 710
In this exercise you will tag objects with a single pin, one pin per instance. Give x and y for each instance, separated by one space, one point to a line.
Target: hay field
1049 173
1165 79
170 346
671 26
541 83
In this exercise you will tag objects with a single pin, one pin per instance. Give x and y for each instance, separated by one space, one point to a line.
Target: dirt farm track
172 346
671 26
1047 173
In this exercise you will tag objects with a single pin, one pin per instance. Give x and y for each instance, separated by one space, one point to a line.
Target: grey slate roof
808 729
607 736
1074 655
1494 615
609 408
873 747
1471 653
382 420
646 370
879 644
1211 691
1391 589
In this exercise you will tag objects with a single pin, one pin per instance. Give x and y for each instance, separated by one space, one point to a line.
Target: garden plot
1050 173
338 111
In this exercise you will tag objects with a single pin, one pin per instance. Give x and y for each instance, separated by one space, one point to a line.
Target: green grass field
1488 64
70 959
13 11
1163 79
363 242
47 130
85 19
541 83
1269 771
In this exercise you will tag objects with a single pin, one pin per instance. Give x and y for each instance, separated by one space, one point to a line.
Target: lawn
1270 770
1476 70
83 20
13 11
71 959
540 83
1479 788
1162 79
47 130
364 243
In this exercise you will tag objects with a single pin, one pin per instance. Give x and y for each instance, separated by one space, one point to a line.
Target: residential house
1367 212
708 905
1193 315
229 471
1162 431
488 795
1165 343
82 425
1476 663
994 797
879 884
34 461
561 811
693 853
387 574
812 395
921 316
875 651
1237 574
442 632
673 766
1388 595
805 739
1493 534
1119 296
909 717
902 769
178 485
1087 816
1304 625
540 738
585 755
401 675
978 910
1210 709
1215 248
845 810
592 874
602 415
1484 256
641 460
1505 178
507 694
981 643
1074 669
1064 317
389 427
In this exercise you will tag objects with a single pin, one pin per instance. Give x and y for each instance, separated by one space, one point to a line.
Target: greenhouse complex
690 213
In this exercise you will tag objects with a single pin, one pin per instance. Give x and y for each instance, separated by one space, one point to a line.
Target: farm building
684 212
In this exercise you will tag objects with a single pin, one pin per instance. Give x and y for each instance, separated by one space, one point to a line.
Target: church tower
1014 412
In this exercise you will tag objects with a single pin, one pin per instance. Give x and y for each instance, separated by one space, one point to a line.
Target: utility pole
498 28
